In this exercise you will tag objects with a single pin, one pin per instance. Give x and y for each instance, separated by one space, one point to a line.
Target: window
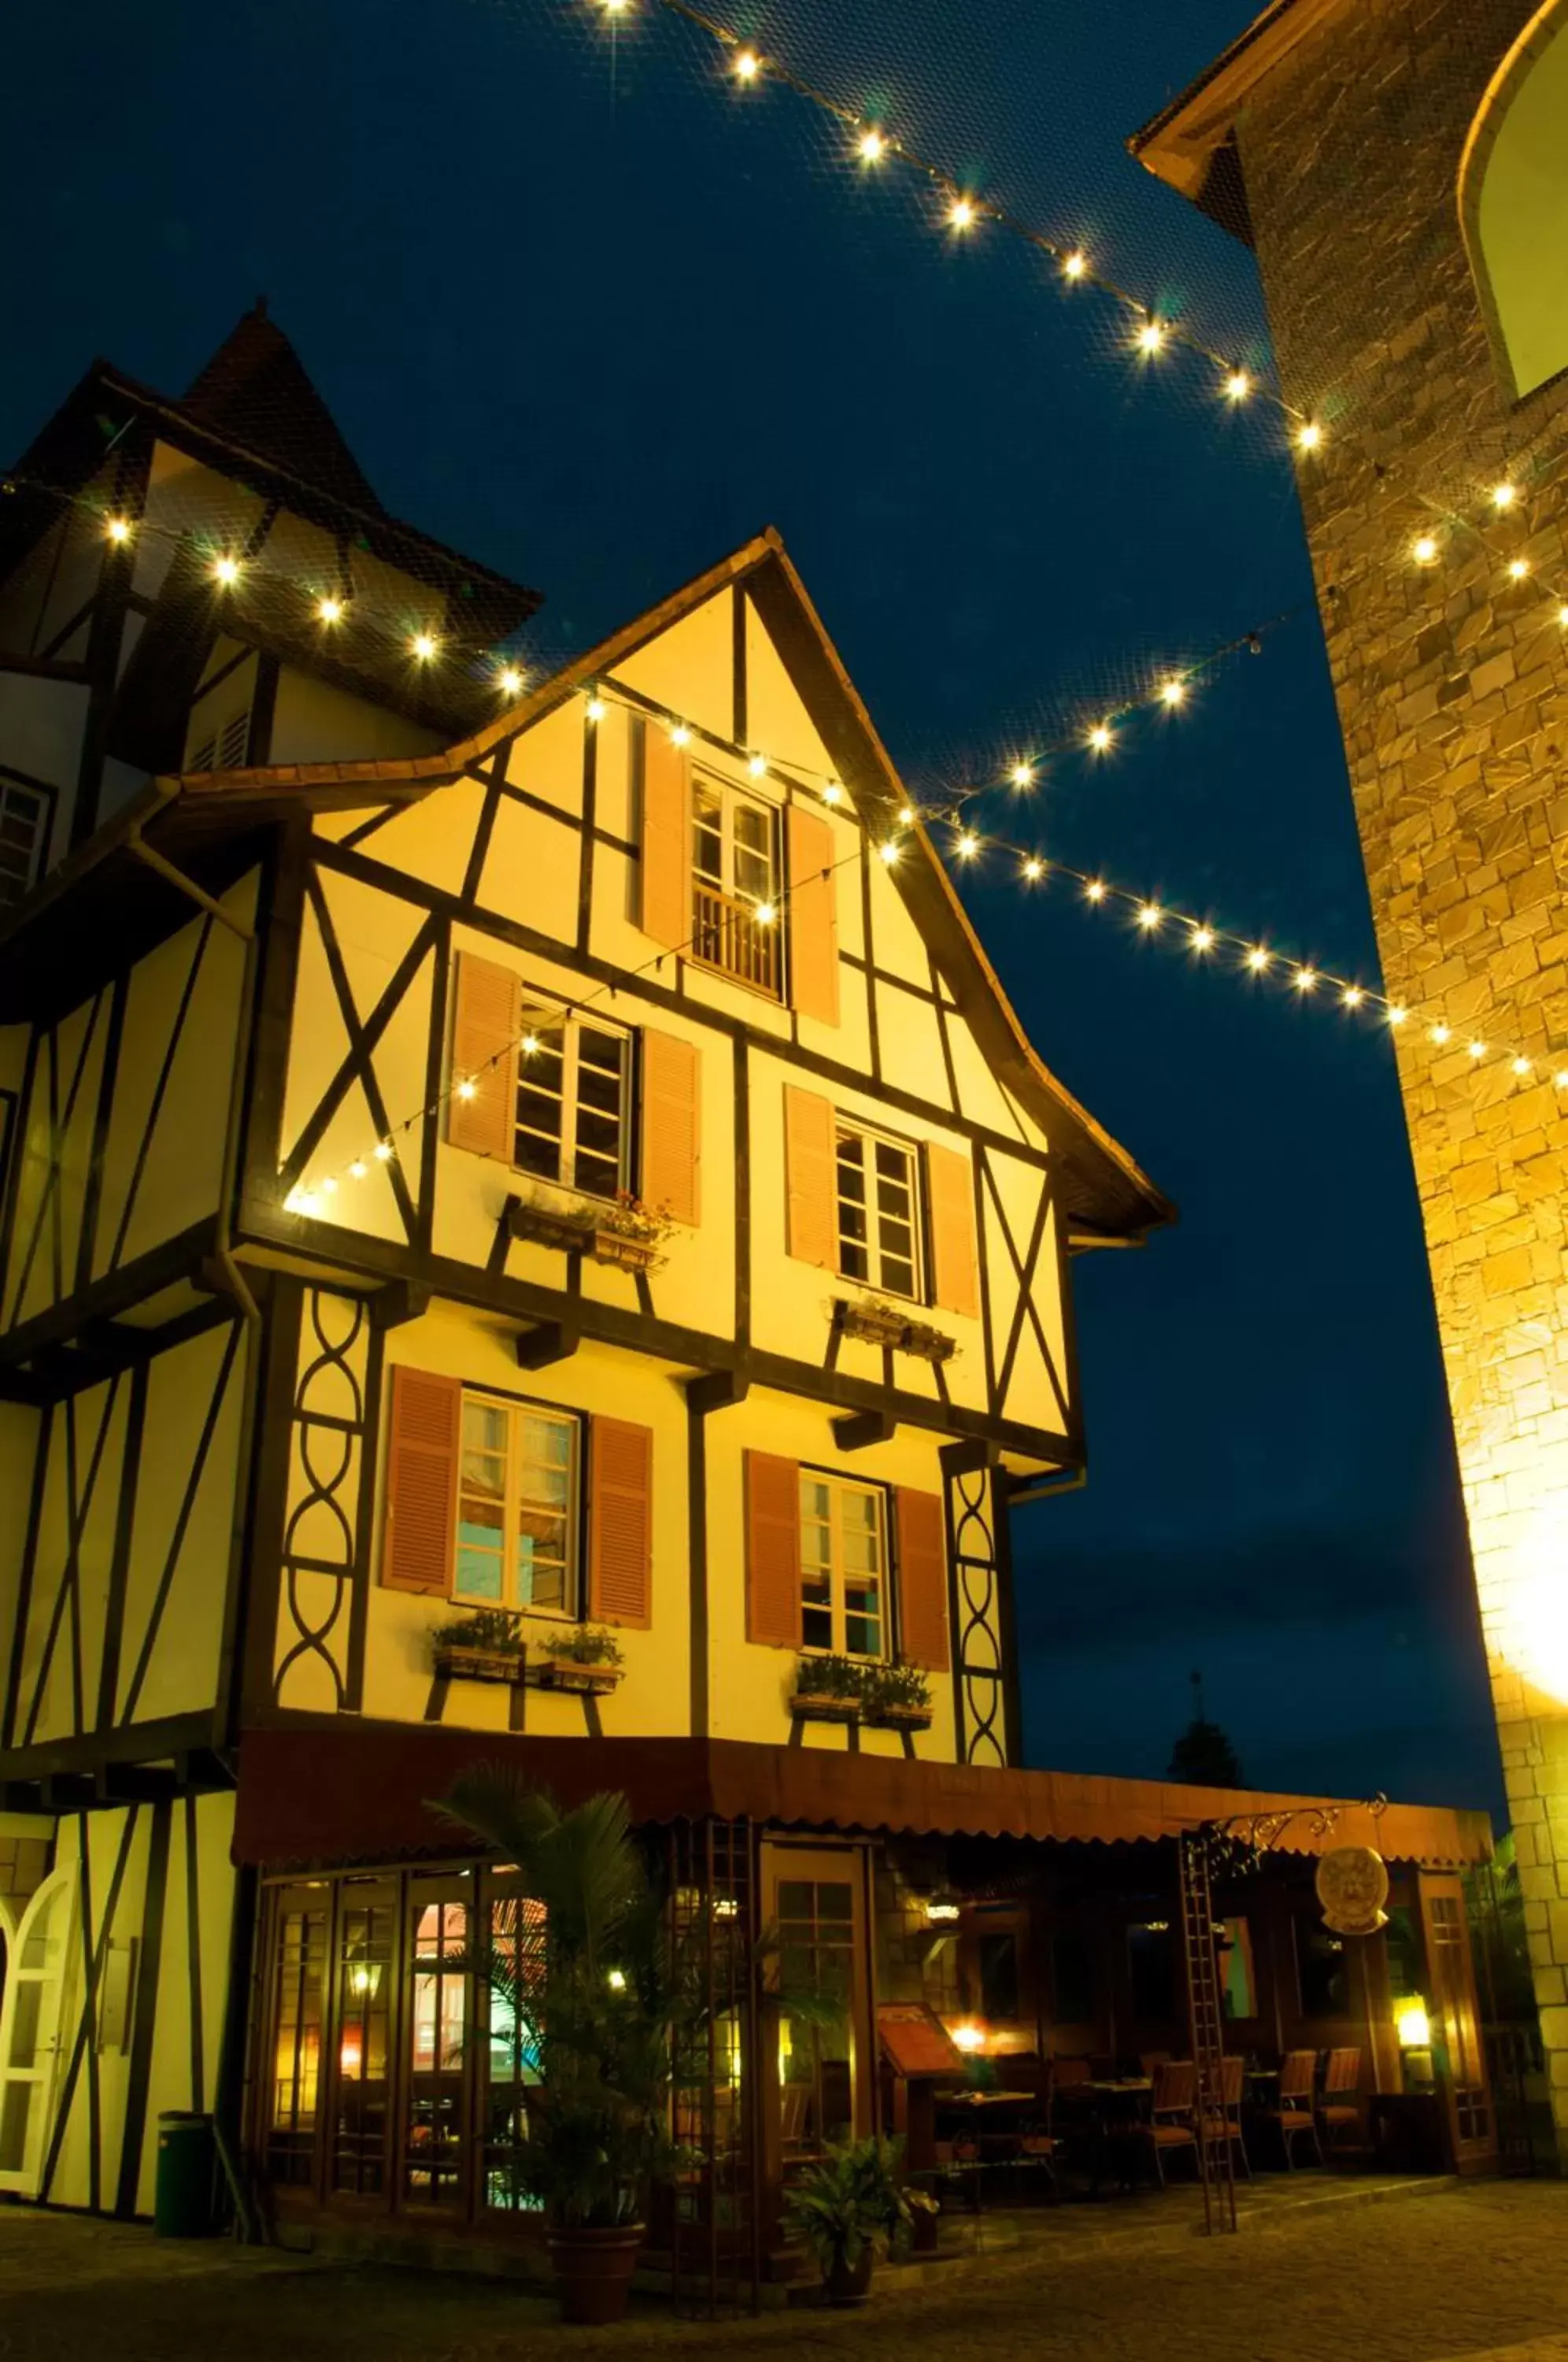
437 2037
843 1567
997 1960
223 746
1238 1986
1320 1965
24 813
365 1919
298 1993
878 1212
735 843
1513 200
517 1485
573 1103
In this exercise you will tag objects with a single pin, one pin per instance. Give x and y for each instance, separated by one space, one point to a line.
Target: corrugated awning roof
354 1792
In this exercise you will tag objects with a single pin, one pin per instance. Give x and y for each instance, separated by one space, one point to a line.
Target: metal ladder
1205 2027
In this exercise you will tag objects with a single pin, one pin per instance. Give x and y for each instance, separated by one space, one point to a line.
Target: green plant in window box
828 1688
629 1233
896 1697
486 1645
584 1659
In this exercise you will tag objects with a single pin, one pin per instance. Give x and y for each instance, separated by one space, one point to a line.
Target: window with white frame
518 1518
24 816
879 1211
843 1566
574 1102
735 861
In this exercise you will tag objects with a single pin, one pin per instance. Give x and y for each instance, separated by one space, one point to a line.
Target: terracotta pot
844 2286
593 2272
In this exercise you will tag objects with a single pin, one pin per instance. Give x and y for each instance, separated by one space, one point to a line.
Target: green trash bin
182 2193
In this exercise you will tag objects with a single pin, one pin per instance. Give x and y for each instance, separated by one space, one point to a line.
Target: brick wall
1453 690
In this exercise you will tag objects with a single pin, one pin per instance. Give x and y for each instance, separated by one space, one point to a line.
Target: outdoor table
1113 2102
986 2099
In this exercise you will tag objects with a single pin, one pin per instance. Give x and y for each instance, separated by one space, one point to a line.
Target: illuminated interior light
1412 2025
1022 774
1354 997
225 570
1517 568
872 147
616 1980
1308 436
1258 959
422 647
467 1087
748 65
1149 915
962 215
1238 385
118 529
969 845
596 709
1306 979
1095 891
942 1912
970 2037
1075 265
680 736
1203 939
1424 549
511 681
1504 496
1099 737
1033 869
1442 1033
1150 337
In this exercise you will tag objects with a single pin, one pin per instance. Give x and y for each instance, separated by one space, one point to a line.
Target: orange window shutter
620 1523
487 1019
922 1580
666 841
955 1263
423 1445
772 1551
813 914
670 1173
810 1177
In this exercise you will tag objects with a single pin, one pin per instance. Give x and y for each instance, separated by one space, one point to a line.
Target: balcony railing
727 934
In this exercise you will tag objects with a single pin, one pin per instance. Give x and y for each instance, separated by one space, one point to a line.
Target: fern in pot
847 2209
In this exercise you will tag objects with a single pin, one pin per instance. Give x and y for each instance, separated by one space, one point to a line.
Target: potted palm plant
845 2210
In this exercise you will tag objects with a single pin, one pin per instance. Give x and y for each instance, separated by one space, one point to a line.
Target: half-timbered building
490 1166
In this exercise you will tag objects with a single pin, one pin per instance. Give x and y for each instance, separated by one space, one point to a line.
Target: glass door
37 1953
438 2022
816 1908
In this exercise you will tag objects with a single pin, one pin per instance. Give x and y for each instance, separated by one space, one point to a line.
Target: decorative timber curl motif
320 1553
972 1517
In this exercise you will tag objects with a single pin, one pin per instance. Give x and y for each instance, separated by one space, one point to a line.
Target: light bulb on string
887 852
961 214
467 1087
1424 548
530 1045
1099 737
1258 959
1560 1079
1517 568
832 793
225 570
1095 889
1352 997
382 1152
766 914
1022 774
1504 495
680 736
1238 385
1477 1049
1308 436
1173 692
1033 869
1075 264
906 816
1306 979
1148 915
1150 337
748 65
595 709
511 681
871 147
422 647
1202 939
757 767
117 529
969 845
1396 1013
328 609
1522 1065
1442 1035
357 1170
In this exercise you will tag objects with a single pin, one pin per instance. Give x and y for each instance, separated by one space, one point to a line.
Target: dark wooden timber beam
864 1427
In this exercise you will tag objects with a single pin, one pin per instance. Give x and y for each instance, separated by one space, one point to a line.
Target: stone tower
1402 173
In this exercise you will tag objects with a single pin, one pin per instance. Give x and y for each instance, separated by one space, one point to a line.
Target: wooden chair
1294 2113
1339 2109
1227 2124
1151 2061
1170 2126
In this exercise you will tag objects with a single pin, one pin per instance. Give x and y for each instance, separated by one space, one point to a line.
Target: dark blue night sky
595 317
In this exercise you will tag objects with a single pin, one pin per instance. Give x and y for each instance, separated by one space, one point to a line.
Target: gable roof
209 819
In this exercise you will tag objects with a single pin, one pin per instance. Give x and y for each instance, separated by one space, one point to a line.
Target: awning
363 1791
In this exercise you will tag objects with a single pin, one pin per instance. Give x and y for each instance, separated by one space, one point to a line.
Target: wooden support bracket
859 1428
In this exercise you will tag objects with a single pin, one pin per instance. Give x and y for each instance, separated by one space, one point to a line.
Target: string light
1202 939
1173 692
118 529
888 851
766 914
832 793
1150 915
1477 1049
422 647
1352 996
357 1170
530 1045
1504 495
467 1087
1258 959
225 570
1522 1065
1099 737
1424 549
382 1152
1033 869
1022 774
1238 385
757 767
872 147
1396 1012
907 816
1150 337
961 214
511 682
1306 979
1075 264
595 709
680 736
1562 616
1517 568
330 609
1308 436
969 845
1095 889
748 65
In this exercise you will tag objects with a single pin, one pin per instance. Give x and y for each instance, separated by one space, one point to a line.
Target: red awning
355 1792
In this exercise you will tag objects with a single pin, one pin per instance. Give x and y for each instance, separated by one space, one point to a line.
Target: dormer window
735 876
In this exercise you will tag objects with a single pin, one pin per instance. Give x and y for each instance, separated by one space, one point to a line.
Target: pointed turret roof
255 389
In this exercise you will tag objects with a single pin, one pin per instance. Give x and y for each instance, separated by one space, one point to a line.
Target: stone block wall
1452 688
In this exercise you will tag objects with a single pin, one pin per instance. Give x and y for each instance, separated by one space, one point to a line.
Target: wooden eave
1191 143
1108 1197
69 451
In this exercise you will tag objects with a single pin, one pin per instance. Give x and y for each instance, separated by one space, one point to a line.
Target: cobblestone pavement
1477 2271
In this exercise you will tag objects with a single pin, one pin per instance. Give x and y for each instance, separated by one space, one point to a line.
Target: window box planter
899 1717
458 1662
570 1673
886 1325
817 1706
628 1254
632 1243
